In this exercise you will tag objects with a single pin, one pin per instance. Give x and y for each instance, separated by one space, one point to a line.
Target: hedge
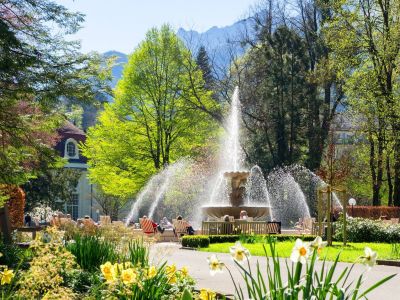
373 212
195 241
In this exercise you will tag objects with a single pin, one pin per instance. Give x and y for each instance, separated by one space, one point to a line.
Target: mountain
220 43
121 60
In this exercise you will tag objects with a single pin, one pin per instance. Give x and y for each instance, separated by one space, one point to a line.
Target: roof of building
70 131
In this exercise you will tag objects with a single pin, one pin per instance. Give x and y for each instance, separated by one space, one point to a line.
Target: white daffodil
239 253
370 257
215 264
318 244
300 252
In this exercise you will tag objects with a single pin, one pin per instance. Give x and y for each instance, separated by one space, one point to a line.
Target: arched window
71 149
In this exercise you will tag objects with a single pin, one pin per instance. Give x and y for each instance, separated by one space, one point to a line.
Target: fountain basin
256 212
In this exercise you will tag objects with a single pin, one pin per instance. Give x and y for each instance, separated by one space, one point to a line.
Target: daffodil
370 257
171 270
184 271
206 294
215 265
6 276
151 272
239 253
300 252
108 271
128 276
318 244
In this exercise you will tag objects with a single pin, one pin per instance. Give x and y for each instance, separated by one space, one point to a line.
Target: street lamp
352 202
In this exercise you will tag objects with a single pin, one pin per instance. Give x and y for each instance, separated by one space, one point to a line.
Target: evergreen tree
203 63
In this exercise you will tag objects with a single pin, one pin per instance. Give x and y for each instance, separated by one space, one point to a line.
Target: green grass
350 253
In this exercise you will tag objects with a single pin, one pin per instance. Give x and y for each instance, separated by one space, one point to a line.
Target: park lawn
350 253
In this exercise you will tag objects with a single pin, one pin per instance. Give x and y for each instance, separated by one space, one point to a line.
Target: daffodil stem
297 273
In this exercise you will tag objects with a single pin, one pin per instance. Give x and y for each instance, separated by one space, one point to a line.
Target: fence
240 227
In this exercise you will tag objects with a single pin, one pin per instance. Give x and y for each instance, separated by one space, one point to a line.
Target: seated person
189 228
165 223
243 215
147 230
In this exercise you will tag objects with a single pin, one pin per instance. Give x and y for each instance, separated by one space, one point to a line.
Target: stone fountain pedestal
236 198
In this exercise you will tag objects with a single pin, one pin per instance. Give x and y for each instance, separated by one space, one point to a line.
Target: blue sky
121 24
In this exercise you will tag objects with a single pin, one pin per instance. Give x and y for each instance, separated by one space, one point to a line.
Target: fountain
231 189
186 185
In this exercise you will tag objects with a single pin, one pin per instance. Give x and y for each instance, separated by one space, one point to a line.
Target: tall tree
156 116
365 37
38 68
203 62
273 98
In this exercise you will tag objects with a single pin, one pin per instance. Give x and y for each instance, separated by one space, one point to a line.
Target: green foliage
138 253
92 251
52 185
324 284
155 118
366 230
195 241
40 66
14 256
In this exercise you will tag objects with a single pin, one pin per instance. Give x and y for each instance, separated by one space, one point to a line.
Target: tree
110 205
156 117
40 70
53 188
203 62
365 38
273 97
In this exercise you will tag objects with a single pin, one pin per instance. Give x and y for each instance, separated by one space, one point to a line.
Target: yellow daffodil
6 276
215 264
170 269
370 257
152 271
128 276
206 294
239 253
184 271
300 252
108 271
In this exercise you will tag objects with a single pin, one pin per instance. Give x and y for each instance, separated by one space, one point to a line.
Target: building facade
83 201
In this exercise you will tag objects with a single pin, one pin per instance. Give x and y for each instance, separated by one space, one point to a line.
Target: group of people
166 224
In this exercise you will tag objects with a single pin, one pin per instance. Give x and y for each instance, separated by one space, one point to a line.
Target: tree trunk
372 165
389 180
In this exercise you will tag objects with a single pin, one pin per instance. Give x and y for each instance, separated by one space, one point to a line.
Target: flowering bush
366 230
126 281
48 269
324 284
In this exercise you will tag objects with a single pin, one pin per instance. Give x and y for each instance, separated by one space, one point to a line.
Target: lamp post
352 202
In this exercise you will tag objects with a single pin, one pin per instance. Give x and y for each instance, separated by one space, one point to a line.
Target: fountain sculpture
233 184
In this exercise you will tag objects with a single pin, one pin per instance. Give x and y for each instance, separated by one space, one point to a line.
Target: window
71 149
72 208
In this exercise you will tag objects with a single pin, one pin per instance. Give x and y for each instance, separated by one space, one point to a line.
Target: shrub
366 230
215 239
92 251
374 212
15 203
13 256
195 241
48 269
